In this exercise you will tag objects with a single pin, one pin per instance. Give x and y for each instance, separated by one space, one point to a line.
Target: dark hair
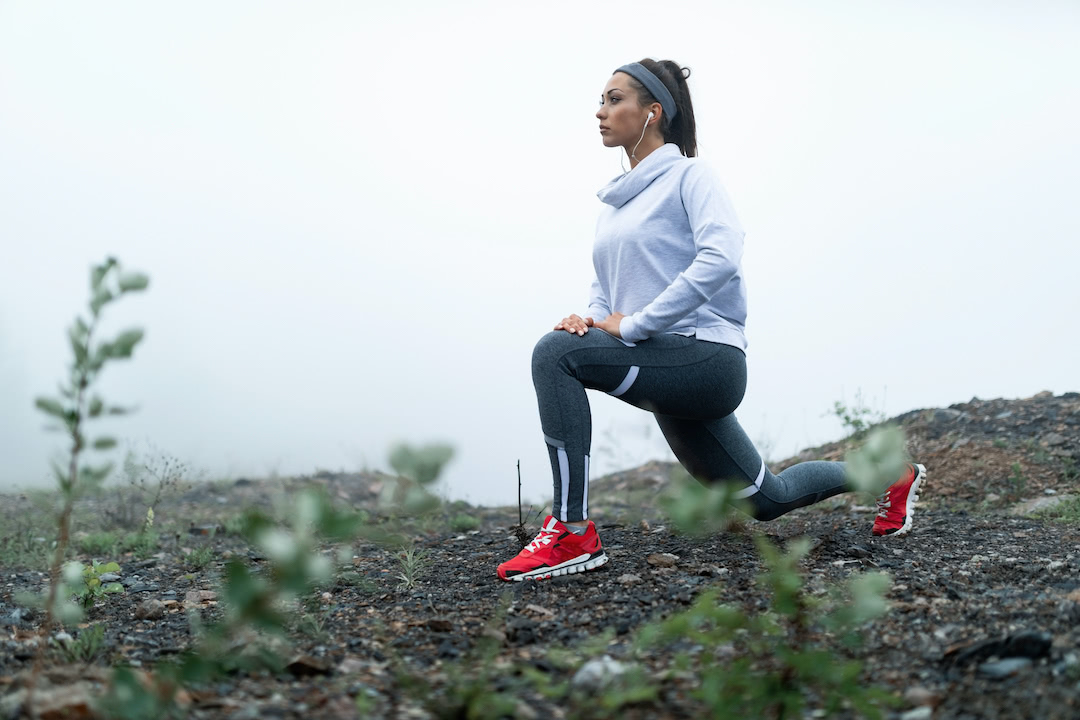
680 129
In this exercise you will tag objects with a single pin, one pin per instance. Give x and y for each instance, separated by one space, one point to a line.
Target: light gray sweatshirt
668 252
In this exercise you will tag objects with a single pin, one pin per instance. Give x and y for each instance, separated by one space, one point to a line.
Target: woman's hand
610 324
575 324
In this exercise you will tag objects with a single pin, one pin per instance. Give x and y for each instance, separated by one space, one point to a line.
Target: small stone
199 597
1050 491
307 666
440 625
628 579
1001 669
663 559
203 530
539 610
598 673
917 695
1054 438
150 610
109 577
351 665
920 713
992 497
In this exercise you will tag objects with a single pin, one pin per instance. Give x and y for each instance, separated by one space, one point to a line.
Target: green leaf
102 296
421 464
119 410
104 443
125 343
51 407
78 346
96 406
114 588
879 462
109 567
134 281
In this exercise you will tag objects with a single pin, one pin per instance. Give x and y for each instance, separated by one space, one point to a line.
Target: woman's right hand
575 324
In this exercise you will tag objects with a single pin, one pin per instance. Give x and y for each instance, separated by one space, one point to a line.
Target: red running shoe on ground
896 504
555 551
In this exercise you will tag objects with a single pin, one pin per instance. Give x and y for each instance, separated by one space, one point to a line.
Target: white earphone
651 115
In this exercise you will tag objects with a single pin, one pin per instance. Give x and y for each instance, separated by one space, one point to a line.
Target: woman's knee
551 348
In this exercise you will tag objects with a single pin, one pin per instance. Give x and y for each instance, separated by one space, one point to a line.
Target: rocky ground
984 619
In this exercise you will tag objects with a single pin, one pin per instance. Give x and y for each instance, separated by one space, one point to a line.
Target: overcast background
358 218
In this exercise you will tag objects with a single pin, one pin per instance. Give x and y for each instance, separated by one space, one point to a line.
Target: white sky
358 218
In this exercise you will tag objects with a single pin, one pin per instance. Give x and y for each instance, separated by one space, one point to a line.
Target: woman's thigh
669 374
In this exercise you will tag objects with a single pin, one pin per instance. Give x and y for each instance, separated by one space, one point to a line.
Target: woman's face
621 117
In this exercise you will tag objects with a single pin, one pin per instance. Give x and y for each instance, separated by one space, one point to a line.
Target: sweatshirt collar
624 188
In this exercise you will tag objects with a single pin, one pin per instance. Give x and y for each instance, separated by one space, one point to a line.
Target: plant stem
83 382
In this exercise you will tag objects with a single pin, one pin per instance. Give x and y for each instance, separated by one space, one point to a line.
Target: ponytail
681 128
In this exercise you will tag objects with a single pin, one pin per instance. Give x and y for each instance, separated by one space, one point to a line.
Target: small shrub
199 558
1069 471
85 648
858 417
93 588
1017 483
100 544
463 523
413 562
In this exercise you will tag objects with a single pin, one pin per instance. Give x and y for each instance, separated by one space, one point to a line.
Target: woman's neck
647 145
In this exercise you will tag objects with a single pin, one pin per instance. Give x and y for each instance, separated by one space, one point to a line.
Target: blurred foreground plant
76 405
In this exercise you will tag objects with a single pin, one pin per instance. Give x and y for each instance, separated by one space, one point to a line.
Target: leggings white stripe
564 475
751 489
585 496
631 376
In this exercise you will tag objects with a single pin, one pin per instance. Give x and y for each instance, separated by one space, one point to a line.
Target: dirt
972 584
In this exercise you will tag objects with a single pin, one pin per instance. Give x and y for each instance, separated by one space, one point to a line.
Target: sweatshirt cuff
628 329
597 313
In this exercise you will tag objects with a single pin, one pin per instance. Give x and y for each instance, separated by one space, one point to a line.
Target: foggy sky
358 220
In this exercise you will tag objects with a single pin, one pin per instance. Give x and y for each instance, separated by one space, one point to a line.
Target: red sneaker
555 550
896 504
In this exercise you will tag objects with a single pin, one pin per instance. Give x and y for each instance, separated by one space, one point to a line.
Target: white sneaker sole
912 498
575 565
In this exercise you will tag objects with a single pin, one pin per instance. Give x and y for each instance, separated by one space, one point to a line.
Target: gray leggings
692 387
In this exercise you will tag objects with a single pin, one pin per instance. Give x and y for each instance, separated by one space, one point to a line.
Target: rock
539 610
151 609
917 695
109 577
628 579
663 559
351 664
1040 503
1054 438
1001 669
199 597
204 529
920 713
64 702
440 625
307 666
598 673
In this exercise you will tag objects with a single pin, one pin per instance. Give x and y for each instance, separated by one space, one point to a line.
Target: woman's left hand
610 324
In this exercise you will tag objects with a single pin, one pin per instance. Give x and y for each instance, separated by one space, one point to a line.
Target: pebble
628 579
598 673
663 559
918 695
920 713
109 577
151 609
1001 669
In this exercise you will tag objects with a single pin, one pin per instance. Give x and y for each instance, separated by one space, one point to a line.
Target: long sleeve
599 308
718 245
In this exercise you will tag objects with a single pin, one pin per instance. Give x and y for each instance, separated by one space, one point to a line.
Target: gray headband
653 84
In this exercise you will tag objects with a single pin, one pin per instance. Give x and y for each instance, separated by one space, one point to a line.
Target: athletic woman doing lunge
663 332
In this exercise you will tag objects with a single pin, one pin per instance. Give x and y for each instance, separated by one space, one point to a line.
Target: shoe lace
544 537
884 503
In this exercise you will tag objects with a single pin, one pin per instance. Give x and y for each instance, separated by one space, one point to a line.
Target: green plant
94 587
71 412
1067 511
99 543
1069 471
1017 483
463 523
85 648
412 563
999 443
772 663
858 417
199 558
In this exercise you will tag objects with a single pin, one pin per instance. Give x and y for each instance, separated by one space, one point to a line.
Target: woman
663 332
